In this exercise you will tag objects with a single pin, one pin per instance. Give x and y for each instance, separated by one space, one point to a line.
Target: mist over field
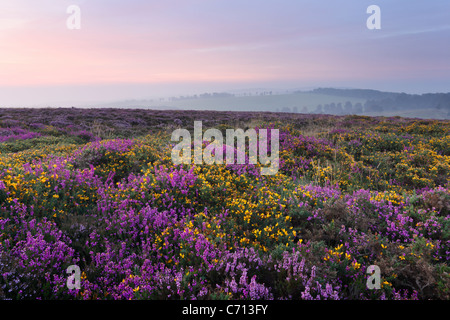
310 101
317 101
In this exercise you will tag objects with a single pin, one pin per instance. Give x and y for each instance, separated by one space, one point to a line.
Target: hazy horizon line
73 95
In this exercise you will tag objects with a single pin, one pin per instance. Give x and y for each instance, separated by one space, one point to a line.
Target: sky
138 49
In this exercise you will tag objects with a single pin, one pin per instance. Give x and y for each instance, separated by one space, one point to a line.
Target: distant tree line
378 101
338 108
366 94
403 101
208 95
205 95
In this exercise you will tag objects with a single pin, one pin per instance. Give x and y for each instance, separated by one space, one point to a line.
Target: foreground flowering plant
109 200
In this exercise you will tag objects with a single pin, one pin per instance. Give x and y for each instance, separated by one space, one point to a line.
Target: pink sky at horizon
61 56
200 42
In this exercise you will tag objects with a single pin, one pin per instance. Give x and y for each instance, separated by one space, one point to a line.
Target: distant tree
332 108
348 108
305 110
295 109
358 108
319 109
373 106
339 109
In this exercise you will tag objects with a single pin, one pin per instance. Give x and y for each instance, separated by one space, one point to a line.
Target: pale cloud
413 31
